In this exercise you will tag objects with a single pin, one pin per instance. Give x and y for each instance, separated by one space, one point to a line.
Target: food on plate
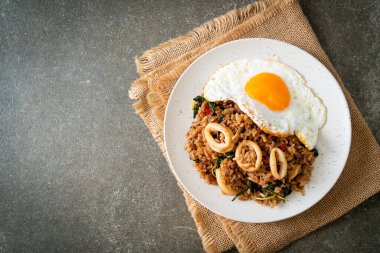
278 174
273 95
247 165
221 146
255 130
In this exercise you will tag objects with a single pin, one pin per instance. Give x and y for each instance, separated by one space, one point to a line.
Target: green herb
199 99
218 161
315 151
268 190
213 171
254 186
280 197
266 198
230 154
274 194
241 192
195 110
278 183
222 157
286 191
217 164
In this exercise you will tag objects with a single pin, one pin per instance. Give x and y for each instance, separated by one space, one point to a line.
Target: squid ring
235 138
273 163
247 166
294 172
223 186
221 147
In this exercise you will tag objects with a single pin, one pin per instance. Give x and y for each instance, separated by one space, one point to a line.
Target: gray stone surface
78 169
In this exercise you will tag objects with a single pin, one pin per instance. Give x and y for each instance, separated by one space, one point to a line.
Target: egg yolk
270 90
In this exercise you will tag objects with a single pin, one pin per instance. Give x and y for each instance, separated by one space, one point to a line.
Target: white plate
333 142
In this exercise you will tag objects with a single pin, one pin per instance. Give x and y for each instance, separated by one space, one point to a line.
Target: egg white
304 116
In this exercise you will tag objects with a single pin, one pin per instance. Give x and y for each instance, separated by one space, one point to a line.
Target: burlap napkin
284 20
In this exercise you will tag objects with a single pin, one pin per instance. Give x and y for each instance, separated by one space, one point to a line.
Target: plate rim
349 127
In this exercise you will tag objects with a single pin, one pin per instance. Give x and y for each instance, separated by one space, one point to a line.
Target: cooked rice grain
299 158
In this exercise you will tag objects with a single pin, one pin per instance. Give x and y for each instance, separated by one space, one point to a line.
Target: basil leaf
266 198
195 110
241 192
286 191
315 151
274 194
254 186
218 161
199 99
230 154
213 172
217 164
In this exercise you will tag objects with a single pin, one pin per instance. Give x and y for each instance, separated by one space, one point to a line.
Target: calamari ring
235 138
247 166
294 172
273 163
221 147
226 189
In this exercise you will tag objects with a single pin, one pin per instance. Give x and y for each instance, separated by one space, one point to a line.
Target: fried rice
260 186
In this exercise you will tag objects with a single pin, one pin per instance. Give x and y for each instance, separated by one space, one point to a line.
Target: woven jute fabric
160 67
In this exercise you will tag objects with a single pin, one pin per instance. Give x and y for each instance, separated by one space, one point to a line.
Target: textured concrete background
79 170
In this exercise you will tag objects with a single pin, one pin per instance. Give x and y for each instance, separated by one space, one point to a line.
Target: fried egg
273 95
